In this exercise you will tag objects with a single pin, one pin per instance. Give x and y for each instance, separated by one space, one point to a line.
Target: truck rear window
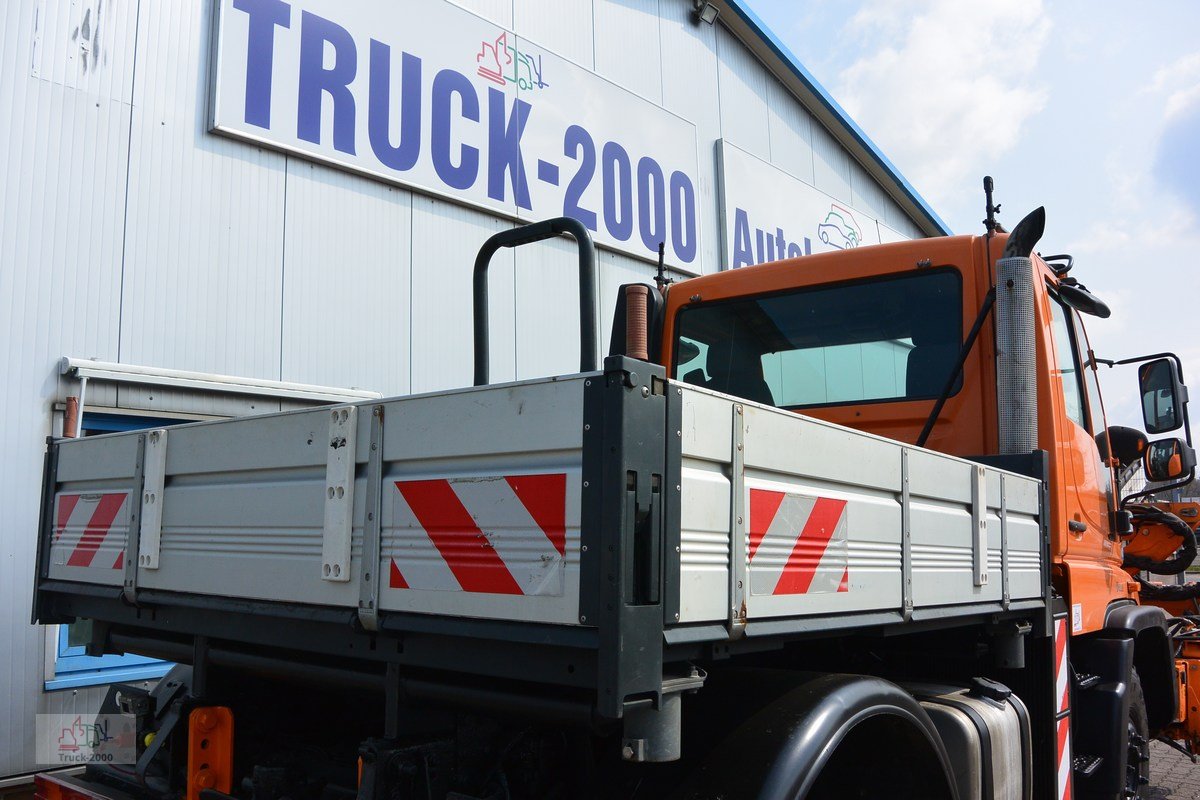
894 338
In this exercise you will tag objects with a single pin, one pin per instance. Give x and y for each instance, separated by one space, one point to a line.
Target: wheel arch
1152 658
781 751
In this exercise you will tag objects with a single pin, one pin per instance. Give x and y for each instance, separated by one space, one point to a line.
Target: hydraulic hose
1183 556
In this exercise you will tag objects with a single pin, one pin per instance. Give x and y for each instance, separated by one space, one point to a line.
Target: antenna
661 278
992 210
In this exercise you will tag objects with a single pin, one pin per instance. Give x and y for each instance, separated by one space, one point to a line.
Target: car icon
838 231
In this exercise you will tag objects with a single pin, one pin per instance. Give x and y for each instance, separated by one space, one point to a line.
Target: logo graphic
69 739
840 229
502 63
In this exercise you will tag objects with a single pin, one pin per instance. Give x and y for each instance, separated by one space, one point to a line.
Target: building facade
234 205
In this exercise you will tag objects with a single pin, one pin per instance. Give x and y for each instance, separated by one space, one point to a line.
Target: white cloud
947 83
1180 81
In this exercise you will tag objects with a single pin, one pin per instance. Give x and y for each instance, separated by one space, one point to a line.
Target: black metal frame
528 234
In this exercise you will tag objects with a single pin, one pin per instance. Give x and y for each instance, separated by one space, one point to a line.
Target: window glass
1068 362
1091 380
894 338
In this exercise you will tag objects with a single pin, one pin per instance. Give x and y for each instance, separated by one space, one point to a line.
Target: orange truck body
1087 557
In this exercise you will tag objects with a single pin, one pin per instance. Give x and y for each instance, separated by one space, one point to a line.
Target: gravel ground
1172 775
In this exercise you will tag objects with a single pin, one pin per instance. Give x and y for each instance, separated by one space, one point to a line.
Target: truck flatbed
579 521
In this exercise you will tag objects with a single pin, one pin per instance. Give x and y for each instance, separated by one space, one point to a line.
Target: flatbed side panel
480 516
824 520
816 512
478 496
89 527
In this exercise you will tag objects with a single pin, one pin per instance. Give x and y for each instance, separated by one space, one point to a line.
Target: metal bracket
153 484
368 585
979 537
129 587
1005 596
739 577
339 493
906 583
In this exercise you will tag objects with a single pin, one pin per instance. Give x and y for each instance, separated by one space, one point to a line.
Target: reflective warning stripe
1062 673
797 544
502 534
83 522
1062 696
1064 758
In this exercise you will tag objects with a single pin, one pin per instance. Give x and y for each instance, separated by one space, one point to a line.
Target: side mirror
1168 459
1128 444
1163 395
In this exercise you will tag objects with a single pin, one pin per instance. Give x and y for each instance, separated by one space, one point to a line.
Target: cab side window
1068 362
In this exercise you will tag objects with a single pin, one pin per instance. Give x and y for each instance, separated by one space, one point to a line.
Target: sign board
429 96
767 214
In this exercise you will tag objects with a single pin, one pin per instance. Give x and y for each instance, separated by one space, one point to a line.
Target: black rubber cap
983 687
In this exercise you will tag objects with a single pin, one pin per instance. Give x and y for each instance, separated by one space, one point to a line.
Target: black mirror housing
1163 395
1168 459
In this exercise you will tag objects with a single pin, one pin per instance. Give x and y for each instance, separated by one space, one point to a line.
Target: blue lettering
683 217
265 16
446 84
578 144
742 257
504 148
652 212
315 80
793 250
758 251
379 108
618 191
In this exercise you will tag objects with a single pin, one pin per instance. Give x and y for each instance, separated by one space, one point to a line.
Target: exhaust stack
1016 354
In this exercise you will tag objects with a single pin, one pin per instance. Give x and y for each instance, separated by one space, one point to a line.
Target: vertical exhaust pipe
1016 351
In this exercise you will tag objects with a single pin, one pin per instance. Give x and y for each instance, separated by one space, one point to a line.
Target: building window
72 667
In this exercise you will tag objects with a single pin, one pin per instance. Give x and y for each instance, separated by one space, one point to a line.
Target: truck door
1085 493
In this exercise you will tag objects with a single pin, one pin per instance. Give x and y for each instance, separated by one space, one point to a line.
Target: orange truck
844 525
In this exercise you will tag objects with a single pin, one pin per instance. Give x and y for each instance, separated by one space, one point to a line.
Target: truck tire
1137 759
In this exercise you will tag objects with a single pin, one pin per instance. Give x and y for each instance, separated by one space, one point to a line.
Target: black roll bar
527 234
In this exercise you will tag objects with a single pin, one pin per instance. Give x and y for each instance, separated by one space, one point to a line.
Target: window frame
906 275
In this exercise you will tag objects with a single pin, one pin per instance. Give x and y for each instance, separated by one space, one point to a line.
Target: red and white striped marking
502 534
86 523
1062 672
1062 689
797 544
1064 758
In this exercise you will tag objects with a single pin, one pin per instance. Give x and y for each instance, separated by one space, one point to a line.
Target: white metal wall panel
866 195
498 11
565 28
743 82
689 76
346 298
791 133
547 309
445 239
204 228
63 158
831 164
627 46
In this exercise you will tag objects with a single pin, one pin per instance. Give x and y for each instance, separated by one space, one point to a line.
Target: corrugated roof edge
759 29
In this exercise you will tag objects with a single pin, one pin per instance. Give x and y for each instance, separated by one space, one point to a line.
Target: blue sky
1091 109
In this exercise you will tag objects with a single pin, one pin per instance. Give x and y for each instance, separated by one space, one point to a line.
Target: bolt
645 391
204 779
627 752
205 720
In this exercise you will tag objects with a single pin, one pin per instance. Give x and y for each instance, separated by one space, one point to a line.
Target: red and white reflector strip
798 544
502 534
1064 758
90 529
1062 696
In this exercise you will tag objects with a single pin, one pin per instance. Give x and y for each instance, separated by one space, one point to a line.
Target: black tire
1137 759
